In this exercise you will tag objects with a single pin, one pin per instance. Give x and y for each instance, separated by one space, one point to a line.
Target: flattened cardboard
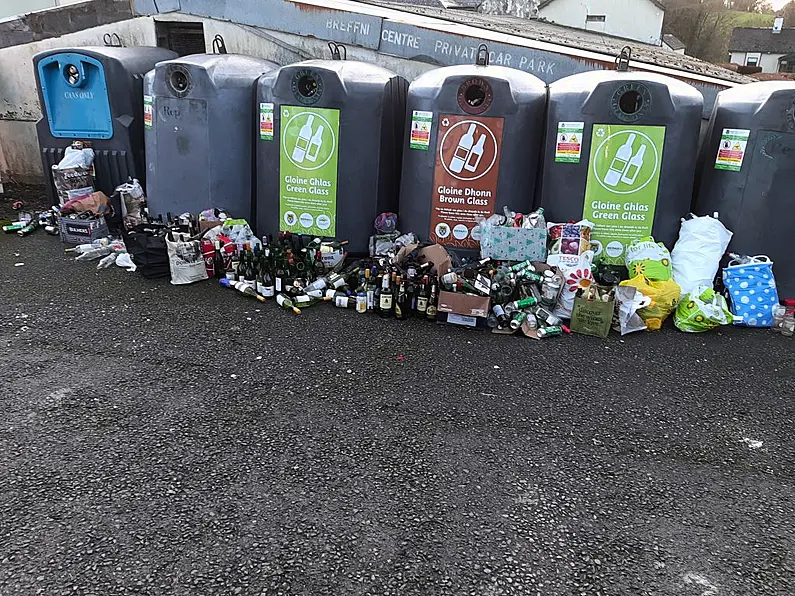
464 304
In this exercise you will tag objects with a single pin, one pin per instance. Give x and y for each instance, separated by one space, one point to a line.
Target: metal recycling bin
95 95
620 151
748 173
329 149
198 138
473 147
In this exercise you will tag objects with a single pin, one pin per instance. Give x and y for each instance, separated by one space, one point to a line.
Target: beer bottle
502 318
433 301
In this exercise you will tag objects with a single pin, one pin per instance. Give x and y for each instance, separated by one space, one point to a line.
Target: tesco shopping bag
752 291
696 255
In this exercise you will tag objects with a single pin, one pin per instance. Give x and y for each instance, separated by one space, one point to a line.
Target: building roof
756 39
673 42
581 39
656 3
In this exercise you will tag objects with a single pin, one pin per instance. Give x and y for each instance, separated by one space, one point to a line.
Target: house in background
640 20
10 8
672 43
771 49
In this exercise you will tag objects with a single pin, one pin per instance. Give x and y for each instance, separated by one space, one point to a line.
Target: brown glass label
465 177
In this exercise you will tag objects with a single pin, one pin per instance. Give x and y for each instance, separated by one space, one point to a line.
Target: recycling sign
621 190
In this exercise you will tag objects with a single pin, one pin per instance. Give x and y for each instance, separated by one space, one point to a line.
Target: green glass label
308 169
623 180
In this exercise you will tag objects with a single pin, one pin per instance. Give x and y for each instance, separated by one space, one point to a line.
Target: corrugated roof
656 3
580 39
755 39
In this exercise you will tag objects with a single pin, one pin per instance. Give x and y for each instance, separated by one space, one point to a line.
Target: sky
778 3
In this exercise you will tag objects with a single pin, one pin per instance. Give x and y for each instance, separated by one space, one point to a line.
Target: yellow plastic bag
664 297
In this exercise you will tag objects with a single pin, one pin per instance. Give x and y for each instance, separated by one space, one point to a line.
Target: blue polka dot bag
752 289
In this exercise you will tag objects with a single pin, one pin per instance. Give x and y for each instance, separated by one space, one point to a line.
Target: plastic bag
574 277
701 310
752 290
628 301
567 242
696 255
648 258
132 200
76 158
185 259
239 232
664 297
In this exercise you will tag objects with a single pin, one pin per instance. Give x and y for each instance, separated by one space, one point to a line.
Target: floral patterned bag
574 277
650 259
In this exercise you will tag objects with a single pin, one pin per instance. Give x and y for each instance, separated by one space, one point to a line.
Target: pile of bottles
293 272
29 223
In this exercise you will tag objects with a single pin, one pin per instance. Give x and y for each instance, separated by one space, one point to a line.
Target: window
595 22
787 66
181 37
753 58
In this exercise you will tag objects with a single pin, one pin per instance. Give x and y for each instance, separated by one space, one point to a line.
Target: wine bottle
385 299
422 297
287 304
401 302
433 301
219 265
241 287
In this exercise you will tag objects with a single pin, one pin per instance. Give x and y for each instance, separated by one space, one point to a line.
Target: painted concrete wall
634 19
768 62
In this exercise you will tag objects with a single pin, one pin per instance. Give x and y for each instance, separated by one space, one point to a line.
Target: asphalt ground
157 439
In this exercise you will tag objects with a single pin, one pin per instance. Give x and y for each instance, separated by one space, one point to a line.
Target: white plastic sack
696 255
76 158
185 259
628 301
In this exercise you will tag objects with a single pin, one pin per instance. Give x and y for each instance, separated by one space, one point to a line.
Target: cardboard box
464 304
462 320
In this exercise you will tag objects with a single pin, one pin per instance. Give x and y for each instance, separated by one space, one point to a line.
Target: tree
701 25
788 12
760 6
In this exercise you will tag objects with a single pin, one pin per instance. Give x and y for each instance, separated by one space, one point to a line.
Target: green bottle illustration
620 162
315 144
633 169
303 140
